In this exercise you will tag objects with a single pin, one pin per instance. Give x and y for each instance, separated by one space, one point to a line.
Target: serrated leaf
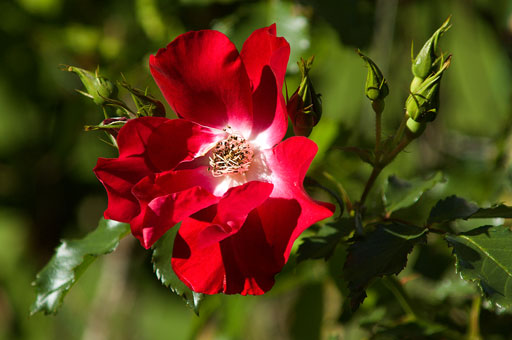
381 252
322 245
399 193
484 255
70 260
451 208
162 254
501 210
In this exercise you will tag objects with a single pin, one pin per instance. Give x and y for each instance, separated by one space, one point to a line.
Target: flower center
232 155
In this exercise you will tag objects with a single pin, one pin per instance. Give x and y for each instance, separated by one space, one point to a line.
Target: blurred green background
48 190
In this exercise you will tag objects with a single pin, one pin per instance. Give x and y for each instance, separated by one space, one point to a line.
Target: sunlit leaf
399 193
71 259
381 252
162 253
484 255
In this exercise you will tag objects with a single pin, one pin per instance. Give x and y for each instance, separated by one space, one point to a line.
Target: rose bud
376 87
97 88
424 63
305 105
422 105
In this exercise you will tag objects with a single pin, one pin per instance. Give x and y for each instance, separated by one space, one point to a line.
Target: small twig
378 134
399 133
369 184
389 157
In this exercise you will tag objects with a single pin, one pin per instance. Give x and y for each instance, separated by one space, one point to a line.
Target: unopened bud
424 63
423 104
97 88
376 87
305 105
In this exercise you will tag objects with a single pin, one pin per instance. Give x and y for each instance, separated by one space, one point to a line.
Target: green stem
378 134
369 184
474 317
397 290
399 133
389 157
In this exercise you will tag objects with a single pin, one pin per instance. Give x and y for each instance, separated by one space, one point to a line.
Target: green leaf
501 210
322 245
70 260
162 254
451 208
399 193
382 252
484 255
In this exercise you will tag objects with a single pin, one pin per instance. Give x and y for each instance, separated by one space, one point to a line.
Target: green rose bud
376 87
423 104
425 61
98 88
305 105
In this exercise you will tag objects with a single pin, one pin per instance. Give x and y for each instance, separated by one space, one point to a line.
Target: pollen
232 155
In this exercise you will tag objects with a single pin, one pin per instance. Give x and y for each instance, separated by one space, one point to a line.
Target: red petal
180 140
119 175
200 269
166 199
240 264
264 48
204 80
289 162
265 58
233 209
133 136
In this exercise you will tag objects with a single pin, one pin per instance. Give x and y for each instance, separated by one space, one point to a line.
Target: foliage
48 191
71 259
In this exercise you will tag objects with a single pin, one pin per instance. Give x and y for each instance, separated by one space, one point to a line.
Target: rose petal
118 176
289 162
133 136
163 212
233 209
202 77
199 268
167 198
240 264
264 48
180 140
265 58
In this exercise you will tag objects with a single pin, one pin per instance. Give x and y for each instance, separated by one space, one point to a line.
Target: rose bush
221 168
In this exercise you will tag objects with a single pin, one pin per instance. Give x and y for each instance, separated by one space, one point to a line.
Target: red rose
221 168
